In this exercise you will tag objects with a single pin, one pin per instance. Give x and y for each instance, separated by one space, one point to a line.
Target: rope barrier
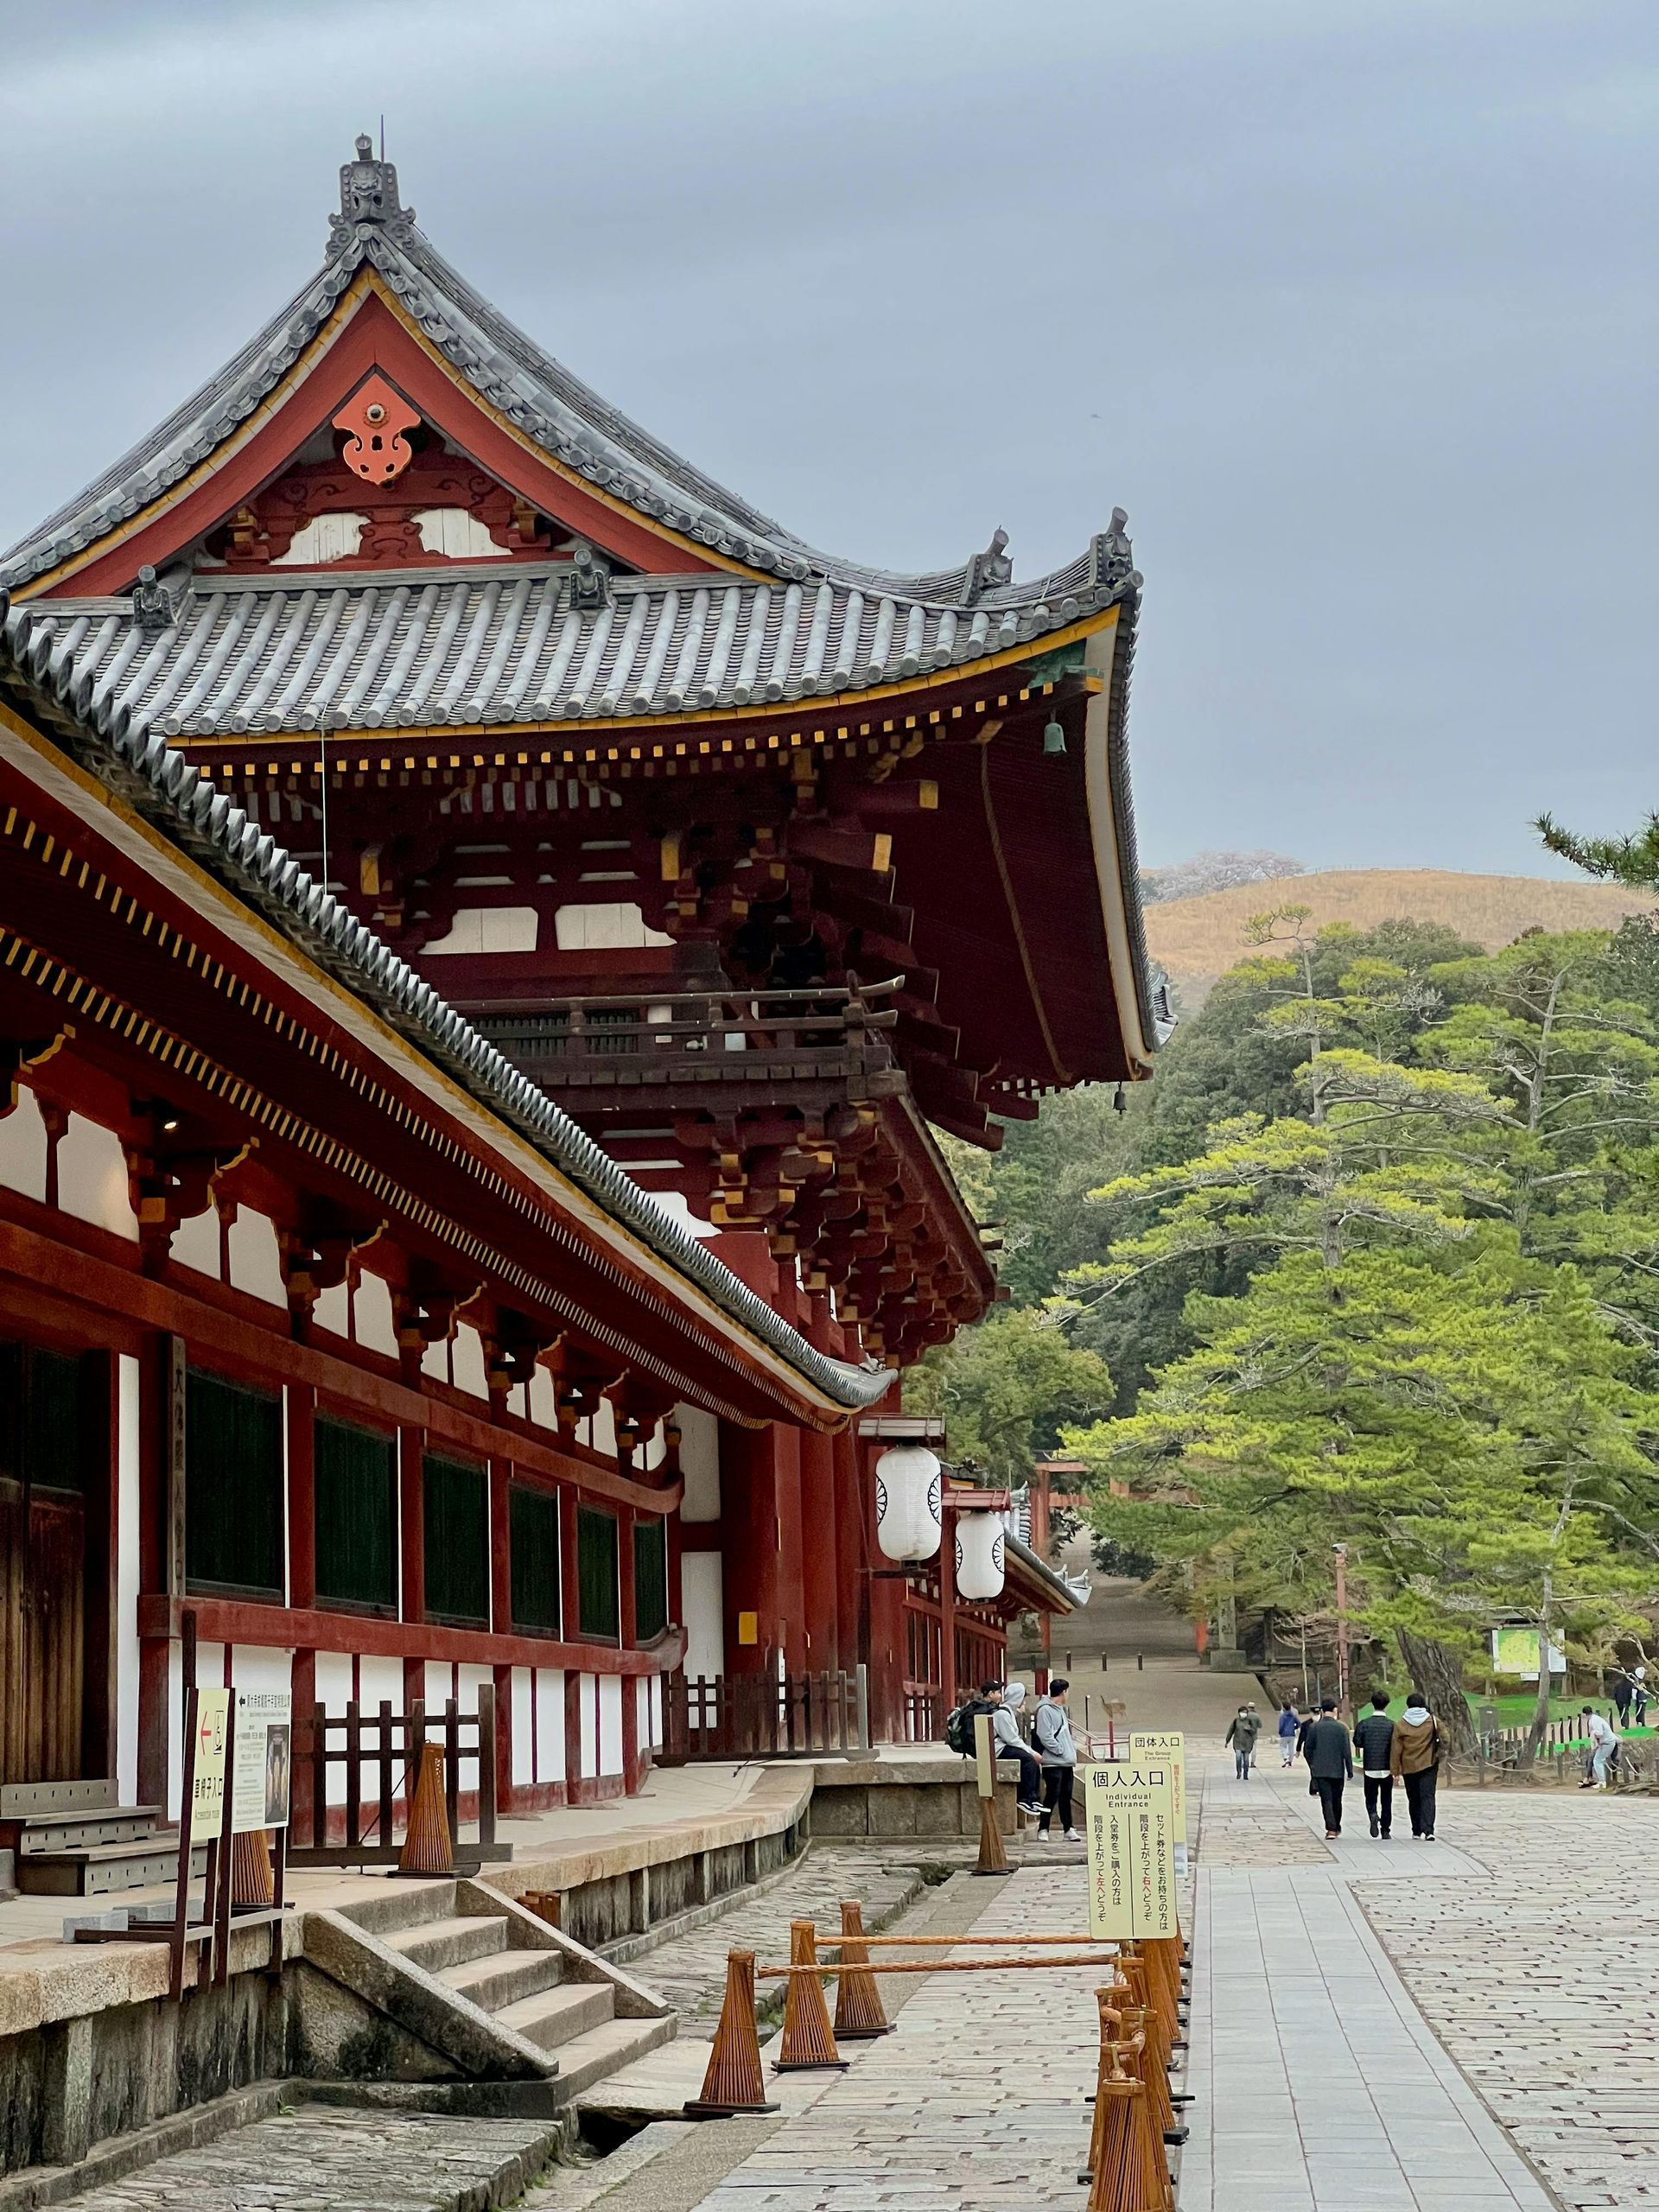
943 1966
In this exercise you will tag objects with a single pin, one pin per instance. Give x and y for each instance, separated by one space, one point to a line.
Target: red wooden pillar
948 1698
852 1586
788 1632
301 1405
819 1552
748 1497
576 1792
412 1511
501 1623
155 1652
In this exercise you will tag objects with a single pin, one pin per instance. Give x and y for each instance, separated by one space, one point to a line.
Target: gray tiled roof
536 393
129 758
246 654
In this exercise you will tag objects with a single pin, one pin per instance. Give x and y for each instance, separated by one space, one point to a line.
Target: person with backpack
1289 1728
1010 1745
1242 1732
1050 1731
1414 1758
959 1728
1373 1740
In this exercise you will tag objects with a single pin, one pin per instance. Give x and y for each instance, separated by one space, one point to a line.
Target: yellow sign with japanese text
1129 1824
213 1726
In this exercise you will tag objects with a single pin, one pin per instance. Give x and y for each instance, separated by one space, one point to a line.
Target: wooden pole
993 1859
734 2082
858 2014
809 2043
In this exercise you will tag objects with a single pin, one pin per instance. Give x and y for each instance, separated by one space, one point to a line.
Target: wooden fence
763 1716
378 1752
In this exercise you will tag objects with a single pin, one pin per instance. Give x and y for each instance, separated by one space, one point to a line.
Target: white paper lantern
907 1525
979 1555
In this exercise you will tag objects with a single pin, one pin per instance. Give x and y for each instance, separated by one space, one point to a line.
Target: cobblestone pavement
690 1971
328 2159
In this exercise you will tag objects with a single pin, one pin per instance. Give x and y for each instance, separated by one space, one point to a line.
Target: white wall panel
699 1463
196 1244
22 1146
467 1361
128 1478
524 1714
610 1724
256 1258
372 1319
702 1595
92 1177
332 1311
550 1723
587 1701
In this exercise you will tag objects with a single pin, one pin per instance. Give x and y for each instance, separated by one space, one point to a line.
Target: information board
984 1755
264 1732
1166 1747
1129 1822
213 1724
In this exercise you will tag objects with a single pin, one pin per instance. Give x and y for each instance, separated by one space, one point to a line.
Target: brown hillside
1198 939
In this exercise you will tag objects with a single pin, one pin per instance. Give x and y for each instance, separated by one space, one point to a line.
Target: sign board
1129 1824
984 1755
265 1734
1166 1747
1515 1651
213 1724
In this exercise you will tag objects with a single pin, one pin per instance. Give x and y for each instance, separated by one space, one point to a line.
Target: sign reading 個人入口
1166 1747
213 1726
1129 1820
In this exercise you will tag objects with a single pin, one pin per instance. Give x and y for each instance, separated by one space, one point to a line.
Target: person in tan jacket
1414 1758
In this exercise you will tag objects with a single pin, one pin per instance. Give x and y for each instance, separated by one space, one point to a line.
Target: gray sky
1351 305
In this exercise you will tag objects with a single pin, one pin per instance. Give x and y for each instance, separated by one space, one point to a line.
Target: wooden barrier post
993 1859
809 2043
734 2082
428 1847
859 2013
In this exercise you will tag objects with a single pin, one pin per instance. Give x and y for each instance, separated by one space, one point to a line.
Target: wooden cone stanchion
428 1847
252 1881
858 2014
1156 2075
993 1859
809 2043
733 2082
1109 2003
1130 2175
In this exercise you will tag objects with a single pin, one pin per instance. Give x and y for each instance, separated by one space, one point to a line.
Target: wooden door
48 1421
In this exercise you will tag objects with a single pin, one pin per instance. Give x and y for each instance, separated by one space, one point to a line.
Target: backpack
959 1730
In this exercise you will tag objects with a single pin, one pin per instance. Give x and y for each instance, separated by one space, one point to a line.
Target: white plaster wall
550 1723
642 1735
332 1311
544 1407
255 1257
261 1667
175 1788
195 1243
22 1146
603 927
699 1463
602 1429
439 1686
434 1361
588 1703
380 1681
455 534
610 1724
334 1693
127 1475
488 929
523 1710
656 1712
372 1319
92 1177
703 1594
325 537
467 1361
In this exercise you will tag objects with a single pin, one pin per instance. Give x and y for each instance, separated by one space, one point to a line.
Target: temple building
492 928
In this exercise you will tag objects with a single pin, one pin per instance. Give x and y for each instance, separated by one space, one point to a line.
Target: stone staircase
496 1992
74 1839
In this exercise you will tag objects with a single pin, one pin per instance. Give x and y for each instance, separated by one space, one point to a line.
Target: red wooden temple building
491 926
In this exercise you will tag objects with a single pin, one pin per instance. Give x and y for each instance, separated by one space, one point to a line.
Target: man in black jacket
1373 1736
1330 1764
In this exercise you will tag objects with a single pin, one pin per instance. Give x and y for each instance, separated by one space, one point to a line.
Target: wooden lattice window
457 1543
649 1579
233 1502
533 1528
598 1608
356 1517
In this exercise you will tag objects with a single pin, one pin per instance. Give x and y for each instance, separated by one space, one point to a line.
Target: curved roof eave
182 801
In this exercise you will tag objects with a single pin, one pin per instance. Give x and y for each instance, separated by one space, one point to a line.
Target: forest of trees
1376 1260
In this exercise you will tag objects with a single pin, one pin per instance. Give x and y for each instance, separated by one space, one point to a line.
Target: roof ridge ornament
153 609
1111 557
986 571
368 195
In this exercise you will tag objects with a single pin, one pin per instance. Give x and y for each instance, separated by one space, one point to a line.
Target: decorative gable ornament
907 1518
375 418
980 1549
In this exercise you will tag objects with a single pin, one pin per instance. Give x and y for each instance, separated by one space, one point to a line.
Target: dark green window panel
233 1503
533 1531
356 1516
649 1580
598 1605
457 1543
55 1416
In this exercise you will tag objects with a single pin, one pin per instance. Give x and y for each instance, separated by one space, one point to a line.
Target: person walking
1050 1731
1414 1759
1241 1731
1603 1748
1639 1696
1005 1731
1623 1692
1373 1740
1289 1728
1330 1764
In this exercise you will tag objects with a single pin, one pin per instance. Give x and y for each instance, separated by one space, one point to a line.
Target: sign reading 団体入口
264 1732
212 1728
1168 1748
984 1755
1130 1822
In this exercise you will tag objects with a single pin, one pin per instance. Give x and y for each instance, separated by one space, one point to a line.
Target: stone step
499 1980
100 1869
604 2050
437 1944
399 1905
552 2016
76 1830
25 1801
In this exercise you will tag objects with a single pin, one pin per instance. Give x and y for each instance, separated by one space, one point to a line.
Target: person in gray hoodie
1050 1731
1008 1743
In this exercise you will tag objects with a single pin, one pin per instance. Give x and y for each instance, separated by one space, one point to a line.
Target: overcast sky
1352 306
